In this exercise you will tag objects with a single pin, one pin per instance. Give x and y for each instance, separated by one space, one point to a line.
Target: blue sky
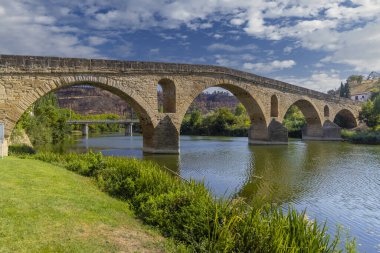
315 44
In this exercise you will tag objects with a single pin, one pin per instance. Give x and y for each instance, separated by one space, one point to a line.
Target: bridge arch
326 111
169 99
258 132
313 128
274 106
345 119
145 113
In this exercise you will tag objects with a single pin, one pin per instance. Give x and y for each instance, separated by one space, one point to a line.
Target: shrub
20 149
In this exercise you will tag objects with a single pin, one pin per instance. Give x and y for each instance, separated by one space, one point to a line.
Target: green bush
366 137
189 213
20 149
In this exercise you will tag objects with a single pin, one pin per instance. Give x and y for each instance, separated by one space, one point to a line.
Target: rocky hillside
89 100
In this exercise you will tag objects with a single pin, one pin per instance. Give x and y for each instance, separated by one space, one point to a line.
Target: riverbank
45 208
362 137
188 213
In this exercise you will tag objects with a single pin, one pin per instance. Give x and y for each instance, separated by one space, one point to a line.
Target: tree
341 90
347 92
240 110
355 78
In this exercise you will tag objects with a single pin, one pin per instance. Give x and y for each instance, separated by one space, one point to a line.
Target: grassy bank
366 137
188 213
45 208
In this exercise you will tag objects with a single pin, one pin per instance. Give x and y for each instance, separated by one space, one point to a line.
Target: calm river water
334 181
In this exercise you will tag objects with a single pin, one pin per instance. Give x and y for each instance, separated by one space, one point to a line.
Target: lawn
45 208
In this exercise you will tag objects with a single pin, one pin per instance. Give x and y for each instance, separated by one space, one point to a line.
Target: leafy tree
370 112
240 110
294 121
357 78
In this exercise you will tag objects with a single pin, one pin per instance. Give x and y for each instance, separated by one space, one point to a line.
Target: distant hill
89 100
364 85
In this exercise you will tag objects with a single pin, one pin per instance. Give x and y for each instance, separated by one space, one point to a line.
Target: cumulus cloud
29 31
320 81
346 31
266 67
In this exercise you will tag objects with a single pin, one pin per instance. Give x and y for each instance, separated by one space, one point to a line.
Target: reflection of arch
274 106
326 111
345 119
168 95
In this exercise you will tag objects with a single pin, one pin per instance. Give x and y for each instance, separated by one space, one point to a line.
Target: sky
314 44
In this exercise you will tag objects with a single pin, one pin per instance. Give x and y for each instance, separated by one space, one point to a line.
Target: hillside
89 100
364 86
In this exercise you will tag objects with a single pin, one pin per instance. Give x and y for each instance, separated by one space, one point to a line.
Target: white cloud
266 67
230 48
96 41
320 81
33 32
217 36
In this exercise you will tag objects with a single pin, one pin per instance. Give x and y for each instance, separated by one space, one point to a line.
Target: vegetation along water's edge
189 214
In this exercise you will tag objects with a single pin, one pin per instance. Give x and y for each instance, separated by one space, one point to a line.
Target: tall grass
190 214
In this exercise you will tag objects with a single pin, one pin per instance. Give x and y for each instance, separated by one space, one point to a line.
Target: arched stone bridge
24 79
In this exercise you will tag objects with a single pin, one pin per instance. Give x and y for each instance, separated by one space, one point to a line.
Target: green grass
45 208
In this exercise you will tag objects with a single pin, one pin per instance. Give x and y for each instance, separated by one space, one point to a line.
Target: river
334 181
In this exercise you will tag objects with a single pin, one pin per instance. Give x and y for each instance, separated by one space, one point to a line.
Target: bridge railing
89 122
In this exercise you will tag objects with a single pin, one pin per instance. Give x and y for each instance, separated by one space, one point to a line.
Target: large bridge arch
262 128
345 119
148 119
314 127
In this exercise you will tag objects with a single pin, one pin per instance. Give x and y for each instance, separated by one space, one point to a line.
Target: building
363 96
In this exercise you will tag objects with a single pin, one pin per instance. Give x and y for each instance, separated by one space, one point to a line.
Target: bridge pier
85 130
129 129
331 131
274 134
328 132
163 139
4 148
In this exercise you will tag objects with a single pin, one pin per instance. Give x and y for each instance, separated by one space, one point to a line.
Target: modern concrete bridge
24 79
127 122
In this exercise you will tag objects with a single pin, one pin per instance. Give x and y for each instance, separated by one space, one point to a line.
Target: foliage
44 122
355 78
188 213
294 121
344 90
370 112
219 122
366 137
20 149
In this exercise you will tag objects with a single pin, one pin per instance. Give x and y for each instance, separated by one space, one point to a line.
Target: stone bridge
24 79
